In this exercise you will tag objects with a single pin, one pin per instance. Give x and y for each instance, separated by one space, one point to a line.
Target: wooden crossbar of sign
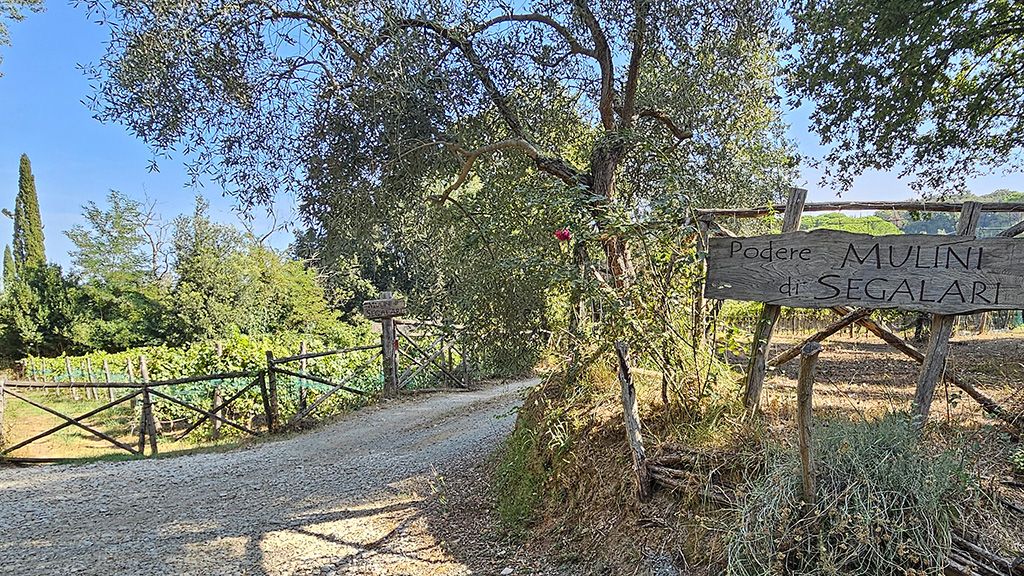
383 308
827 268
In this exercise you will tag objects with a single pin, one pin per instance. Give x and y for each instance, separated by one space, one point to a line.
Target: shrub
886 505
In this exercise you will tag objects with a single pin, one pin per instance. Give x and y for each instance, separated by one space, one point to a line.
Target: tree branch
553 166
660 116
574 46
457 40
603 54
633 73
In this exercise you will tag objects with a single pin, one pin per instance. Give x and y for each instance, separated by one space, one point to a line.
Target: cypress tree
8 267
28 226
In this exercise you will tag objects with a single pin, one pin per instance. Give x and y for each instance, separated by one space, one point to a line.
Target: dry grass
588 500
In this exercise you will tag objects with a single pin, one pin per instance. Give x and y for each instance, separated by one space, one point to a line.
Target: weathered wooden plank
873 205
804 418
827 268
631 413
756 366
385 307
312 355
942 327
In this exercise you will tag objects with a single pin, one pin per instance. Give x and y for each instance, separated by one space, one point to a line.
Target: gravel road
344 499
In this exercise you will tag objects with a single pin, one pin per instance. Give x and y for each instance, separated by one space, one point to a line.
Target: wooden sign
826 268
386 308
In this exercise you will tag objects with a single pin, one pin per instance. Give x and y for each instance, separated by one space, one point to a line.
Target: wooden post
3 407
106 374
631 412
804 401
88 374
71 378
218 399
388 352
271 393
131 378
303 366
756 367
148 420
266 398
942 326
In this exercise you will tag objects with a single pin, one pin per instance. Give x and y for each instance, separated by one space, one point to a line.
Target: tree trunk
604 163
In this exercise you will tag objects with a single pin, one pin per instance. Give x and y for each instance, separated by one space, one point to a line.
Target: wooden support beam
756 366
207 413
389 362
271 394
942 326
987 404
804 418
217 408
631 413
148 421
1013 231
339 386
820 335
834 206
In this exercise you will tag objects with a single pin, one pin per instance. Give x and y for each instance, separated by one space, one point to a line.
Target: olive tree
934 87
363 109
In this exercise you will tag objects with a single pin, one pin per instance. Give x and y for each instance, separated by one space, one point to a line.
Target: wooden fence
428 355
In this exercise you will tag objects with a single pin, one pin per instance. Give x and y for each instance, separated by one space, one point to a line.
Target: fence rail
424 352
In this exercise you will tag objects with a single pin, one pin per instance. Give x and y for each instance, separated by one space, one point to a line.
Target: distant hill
864 225
989 224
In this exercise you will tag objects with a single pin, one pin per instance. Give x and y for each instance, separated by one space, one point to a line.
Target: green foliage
8 276
519 480
862 225
111 248
39 312
239 353
28 227
1017 461
436 147
932 86
886 505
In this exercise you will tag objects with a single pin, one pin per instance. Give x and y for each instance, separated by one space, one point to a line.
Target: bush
886 505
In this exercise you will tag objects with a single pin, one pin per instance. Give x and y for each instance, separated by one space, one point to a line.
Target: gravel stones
344 499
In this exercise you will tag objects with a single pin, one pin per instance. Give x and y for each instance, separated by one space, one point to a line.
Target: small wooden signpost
386 309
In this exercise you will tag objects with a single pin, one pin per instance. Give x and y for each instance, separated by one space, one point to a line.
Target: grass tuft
886 506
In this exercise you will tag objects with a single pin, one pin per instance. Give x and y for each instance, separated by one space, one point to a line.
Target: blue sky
76 159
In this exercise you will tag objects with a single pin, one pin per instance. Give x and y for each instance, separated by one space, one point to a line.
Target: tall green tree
209 274
8 266
118 244
40 314
28 226
933 86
